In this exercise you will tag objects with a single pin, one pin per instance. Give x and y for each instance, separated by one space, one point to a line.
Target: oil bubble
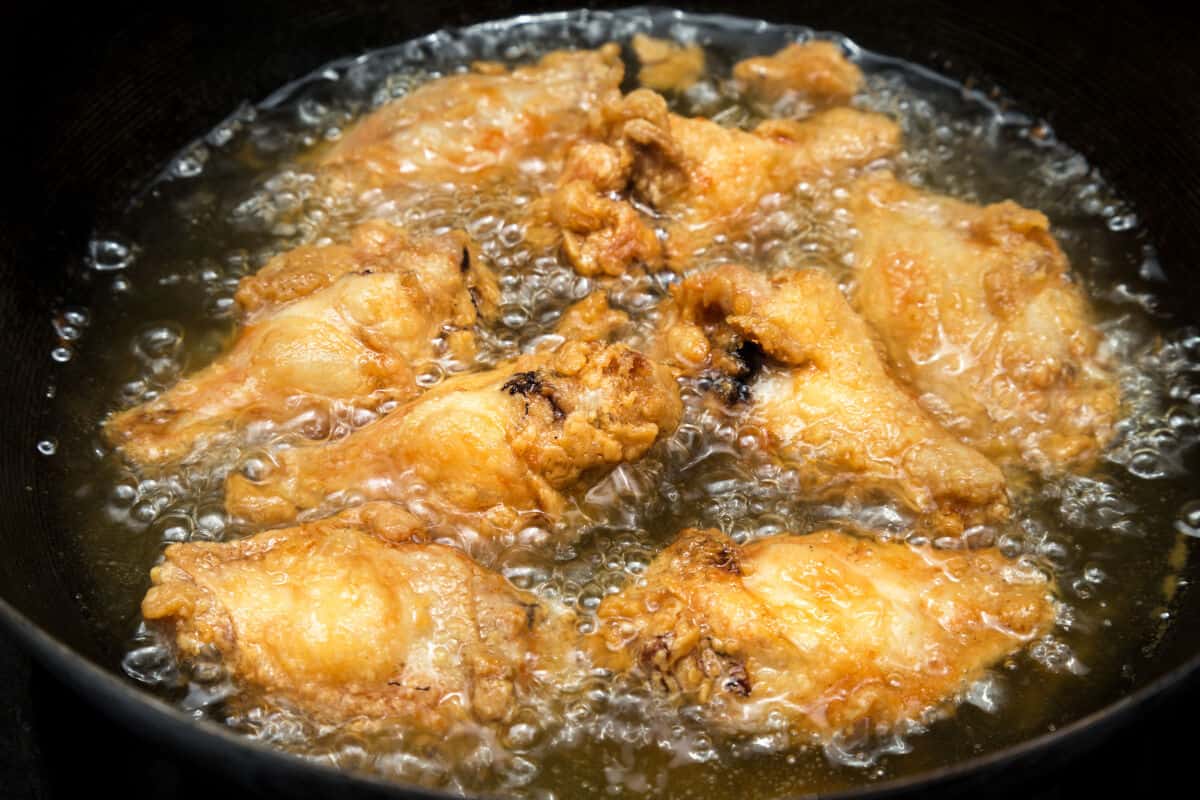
1187 521
109 255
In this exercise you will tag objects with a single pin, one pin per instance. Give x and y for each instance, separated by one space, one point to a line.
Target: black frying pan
112 92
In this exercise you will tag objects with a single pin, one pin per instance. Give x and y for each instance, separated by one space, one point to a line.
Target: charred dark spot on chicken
727 559
530 384
523 383
751 357
654 653
734 389
738 681
531 612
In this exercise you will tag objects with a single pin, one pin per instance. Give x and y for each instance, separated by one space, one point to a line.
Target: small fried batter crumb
591 319
667 66
816 72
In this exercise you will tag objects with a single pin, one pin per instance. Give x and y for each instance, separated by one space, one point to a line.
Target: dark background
56 59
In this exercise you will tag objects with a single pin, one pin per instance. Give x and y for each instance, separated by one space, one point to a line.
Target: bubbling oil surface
162 306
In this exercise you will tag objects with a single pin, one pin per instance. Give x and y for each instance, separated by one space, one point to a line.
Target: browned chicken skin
500 444
821 633
707 180
601 232
702 179
374 246
980 314
346 617
827 405
325 326
479 126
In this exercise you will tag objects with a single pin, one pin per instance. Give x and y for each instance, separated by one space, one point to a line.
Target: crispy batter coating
325 326
472 127
667 66
825 632
346 618
707 180
602 236
373 246
599 230
495 445
704 180
827 405
979 312
815 72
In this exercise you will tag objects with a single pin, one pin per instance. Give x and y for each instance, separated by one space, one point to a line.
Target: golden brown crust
502 443
476 126
707 180
592 319
602 236
828 406
328 326
823 632
346 618
979 312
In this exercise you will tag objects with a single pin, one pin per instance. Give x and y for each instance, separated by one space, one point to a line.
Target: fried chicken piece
703 179
338 325
980 313
347 618
473 126
817 73
826 405
822 633
492 446
667 66
708 180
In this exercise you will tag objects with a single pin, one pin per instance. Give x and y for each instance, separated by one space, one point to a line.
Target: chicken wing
701 179
826 403
821 633
816 73
478 125
348 618
336 325
707 180
979 312
494 446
